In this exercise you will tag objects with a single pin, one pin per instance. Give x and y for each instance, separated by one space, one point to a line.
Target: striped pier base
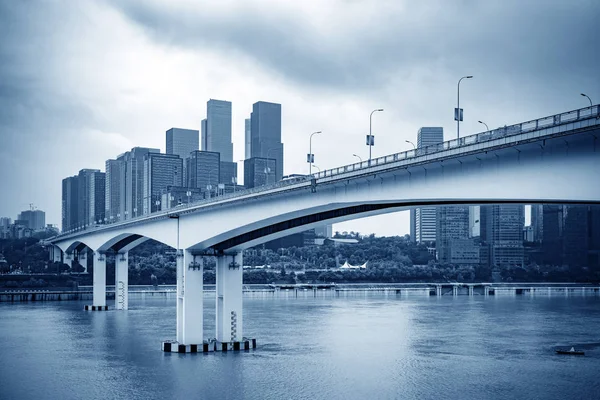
95 308
208 346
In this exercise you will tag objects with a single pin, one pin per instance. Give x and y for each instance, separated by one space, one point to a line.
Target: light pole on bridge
310 157
370 138
486 127
588 97
413 145
458 115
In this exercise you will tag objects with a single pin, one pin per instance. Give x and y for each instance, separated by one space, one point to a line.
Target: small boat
571 351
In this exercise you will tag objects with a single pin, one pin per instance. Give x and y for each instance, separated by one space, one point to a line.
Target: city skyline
81 124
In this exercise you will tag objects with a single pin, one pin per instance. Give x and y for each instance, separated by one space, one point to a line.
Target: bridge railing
523 127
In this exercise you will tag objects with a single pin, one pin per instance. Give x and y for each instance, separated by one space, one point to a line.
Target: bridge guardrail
492 134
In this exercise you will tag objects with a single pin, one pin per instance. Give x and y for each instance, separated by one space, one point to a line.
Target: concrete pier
99 288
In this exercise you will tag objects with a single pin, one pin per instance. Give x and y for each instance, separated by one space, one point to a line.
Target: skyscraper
248 138
566 239
182 142
86 197
97 198
502 231
453 244
537 222
204 170
218 128
425 217
160 171
115 188
134 180
259 171
70 200
266 134
33 219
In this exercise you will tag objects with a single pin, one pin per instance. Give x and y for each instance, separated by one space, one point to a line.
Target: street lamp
486 127
126 214
157 203
188 194
135 212
370 138
357 156
317 167
267 170
310 157
458 115
413 145
588 97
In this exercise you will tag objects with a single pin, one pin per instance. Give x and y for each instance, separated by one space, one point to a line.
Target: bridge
554 159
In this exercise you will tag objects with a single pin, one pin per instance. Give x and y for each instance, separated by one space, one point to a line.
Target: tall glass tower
182 142
218 128
266 134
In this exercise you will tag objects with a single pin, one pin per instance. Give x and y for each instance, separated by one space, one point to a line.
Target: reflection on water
357 346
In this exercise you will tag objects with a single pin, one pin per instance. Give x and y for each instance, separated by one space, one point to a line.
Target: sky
83 81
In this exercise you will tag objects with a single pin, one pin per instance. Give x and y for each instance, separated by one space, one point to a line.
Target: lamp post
157 204
317 168
209 186
458 112
310 157
267 170
588 97
486 127
135 212
370 138
413 145
234 182
188 194
357 156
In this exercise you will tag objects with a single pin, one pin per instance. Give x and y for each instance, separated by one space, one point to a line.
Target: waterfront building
425 217
218 129
537 222
204 170
69 204
182 142
453 244
248 138
32 219
160 171
97 198
114 203
259 171
266 135
502 231
566 235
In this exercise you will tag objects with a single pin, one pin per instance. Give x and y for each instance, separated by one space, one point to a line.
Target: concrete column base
95 308
208 346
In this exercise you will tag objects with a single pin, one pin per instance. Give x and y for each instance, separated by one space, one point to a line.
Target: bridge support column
82 258
68 259
454 290
56 254
470 290
193 300
99 290
229 298
438 290
122 281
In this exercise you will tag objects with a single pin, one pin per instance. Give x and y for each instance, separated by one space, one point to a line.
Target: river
365 346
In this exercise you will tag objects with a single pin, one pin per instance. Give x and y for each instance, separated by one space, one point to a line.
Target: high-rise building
204 170
427 136
502 231
248 138
413 224
228 173
259 171
566 239
425 217
70 203
182 142
160 171
537 222
33 219
134 180
97 198
114 203
266 134
86 176
453 244
218 128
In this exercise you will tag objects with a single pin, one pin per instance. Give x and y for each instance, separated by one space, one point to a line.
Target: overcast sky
83 81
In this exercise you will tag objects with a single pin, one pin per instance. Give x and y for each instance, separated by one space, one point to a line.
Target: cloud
81 82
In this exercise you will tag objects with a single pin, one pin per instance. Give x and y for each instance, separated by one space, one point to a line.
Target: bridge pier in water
190 301
99 285
121 281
